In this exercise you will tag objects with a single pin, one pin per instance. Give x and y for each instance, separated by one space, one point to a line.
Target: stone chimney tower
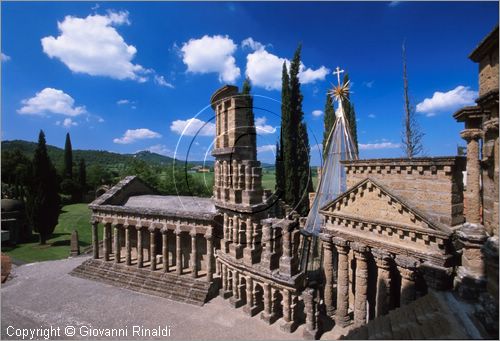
238 192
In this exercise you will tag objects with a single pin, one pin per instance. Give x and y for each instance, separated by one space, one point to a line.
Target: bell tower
238 191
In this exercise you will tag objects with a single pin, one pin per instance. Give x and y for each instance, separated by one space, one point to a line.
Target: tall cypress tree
350 115
68 158
286 141
329 120
280 180
297 168
82 176
43 199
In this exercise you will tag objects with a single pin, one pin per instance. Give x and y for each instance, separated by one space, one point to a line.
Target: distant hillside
101 157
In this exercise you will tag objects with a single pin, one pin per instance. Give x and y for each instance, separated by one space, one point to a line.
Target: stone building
402 256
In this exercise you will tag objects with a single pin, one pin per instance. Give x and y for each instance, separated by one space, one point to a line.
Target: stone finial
74 244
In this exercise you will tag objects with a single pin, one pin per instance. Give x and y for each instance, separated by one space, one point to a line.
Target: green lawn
72 217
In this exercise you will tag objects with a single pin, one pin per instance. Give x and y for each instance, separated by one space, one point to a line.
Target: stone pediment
119 193
371 202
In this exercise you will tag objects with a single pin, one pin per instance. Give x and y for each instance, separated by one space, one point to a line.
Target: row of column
241 232
236 175
260 296
405 265
128 229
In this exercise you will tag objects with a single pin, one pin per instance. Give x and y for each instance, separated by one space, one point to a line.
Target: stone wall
433 185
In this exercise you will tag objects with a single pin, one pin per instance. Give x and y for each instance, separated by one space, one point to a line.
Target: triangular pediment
372 202
119 193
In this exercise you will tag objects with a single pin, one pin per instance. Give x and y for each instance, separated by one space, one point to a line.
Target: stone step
167 285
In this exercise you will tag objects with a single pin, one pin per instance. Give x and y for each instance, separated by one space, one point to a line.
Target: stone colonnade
260 295
112 236
385 262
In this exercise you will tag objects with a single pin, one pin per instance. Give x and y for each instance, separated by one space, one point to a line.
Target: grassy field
72 217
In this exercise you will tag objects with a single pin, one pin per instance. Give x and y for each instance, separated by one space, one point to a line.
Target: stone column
341 314
178 253
105 241
116 240
382 299
152 248
407 267
224 278
236 227
194 255
267 314
328 268
210 256
128 246
164 249
266 240
140 253
95 239
311 330
473 203
249 307
289 324
361 285
235 299
249 233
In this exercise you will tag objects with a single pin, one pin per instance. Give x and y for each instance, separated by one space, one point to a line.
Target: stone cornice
150 213
485 45
469 112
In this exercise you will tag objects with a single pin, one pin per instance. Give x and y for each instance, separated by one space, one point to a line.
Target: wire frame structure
340 146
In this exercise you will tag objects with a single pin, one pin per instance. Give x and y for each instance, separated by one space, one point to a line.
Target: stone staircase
167 285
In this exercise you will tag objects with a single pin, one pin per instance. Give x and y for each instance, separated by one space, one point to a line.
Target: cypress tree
82 176
43 199
297 160
68 158
329 120
279 171
286 141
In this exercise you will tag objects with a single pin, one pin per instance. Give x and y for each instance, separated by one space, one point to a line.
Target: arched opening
258 299
243 290
277 304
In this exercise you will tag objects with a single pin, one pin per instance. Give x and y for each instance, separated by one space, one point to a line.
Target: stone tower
238 192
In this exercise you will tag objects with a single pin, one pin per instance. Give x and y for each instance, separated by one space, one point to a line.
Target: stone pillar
266 240
235 231
128 246
407 267
224 277
95 239
235 299
473 202
382 299
152 248
471 275
361 284
210 256
249 233
105 241
140 253
268 314
289 324
328 268
194 255
164 249
116 240
311 329
341 314
249 308
178 253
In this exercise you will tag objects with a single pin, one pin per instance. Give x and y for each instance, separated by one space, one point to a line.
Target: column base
343 321
289 327
268 318
311 334
226 294
251 311
235 303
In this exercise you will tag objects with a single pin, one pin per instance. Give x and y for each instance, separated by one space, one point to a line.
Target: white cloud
92 46
263 128
50 100
317 113
394 3
264 69
100 119
211 54
266 148
252 44
160 149
5 58
447 101
381 145
160 80
132 135
372 116
369 84
68 122
123 101
193 127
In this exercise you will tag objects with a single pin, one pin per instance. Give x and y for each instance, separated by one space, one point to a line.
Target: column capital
164 230
151 229
406 262
138 227
208 236
359 249
327 238
340 242
193 233
471 134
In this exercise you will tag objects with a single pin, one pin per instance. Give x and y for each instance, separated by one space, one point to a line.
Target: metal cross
338 72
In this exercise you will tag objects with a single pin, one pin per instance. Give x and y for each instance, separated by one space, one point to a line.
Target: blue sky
129 76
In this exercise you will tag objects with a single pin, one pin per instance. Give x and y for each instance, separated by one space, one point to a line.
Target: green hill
91 157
